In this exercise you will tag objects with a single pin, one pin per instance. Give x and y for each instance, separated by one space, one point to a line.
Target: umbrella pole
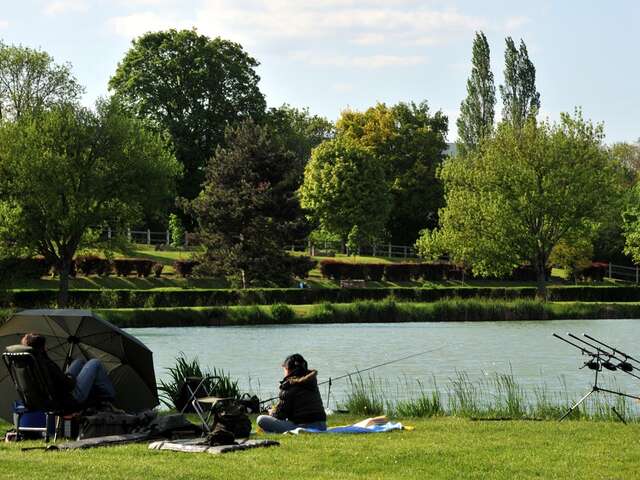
67 360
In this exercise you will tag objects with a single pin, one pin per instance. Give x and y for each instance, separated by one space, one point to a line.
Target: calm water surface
253 354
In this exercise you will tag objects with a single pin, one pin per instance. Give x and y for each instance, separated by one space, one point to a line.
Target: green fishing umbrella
80 334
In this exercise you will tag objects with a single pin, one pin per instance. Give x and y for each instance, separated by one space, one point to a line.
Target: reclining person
300 404
82 380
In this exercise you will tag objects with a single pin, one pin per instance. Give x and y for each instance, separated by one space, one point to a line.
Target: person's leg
93 375
274 425
316 425
75 367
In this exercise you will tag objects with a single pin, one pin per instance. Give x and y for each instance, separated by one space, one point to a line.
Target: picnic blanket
199 445
369 425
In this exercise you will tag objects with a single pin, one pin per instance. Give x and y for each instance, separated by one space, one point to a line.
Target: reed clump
496 396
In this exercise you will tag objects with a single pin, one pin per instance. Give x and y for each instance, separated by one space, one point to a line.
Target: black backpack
230 421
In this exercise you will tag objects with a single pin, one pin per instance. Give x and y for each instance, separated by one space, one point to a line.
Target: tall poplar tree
520 99
478 109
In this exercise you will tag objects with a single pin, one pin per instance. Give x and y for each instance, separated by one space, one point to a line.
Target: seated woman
300 404
82 380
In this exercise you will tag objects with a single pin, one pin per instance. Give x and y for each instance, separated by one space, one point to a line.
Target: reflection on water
253 354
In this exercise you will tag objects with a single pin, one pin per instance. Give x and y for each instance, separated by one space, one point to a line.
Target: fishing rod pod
600 358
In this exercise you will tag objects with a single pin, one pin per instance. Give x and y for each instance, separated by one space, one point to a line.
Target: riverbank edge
387 311
197 297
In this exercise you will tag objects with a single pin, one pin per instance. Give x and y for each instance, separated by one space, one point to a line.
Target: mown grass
438 448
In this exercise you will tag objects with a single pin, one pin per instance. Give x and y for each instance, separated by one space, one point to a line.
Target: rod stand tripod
596 366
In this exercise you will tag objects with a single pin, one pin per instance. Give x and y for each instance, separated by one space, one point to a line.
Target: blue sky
332 54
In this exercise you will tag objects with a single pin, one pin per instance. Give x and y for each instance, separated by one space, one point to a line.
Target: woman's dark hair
33 340
295 363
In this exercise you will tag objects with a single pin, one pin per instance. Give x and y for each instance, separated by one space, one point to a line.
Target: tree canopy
520 99
30 82
409 143
522 193
193 87
69 171
299 131
478 109
345 187
247 211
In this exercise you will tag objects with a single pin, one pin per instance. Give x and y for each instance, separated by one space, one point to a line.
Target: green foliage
520 98
219 385
299 131
344 185
31 82
282 313
631 224
176 230
523 192
248 210
475 122
573 255
409 142
69 170
191 87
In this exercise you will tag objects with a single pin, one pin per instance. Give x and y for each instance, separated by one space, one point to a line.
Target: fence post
375 247
148 237
405 251
389 247
109 233
129 234
610 270
167 238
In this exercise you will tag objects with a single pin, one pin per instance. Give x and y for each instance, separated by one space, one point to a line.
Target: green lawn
438 448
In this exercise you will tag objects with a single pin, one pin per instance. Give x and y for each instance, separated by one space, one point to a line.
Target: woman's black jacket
300 400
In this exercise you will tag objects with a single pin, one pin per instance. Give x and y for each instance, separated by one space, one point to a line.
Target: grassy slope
438 448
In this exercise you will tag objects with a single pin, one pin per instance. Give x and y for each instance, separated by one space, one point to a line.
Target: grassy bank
197 297
437 448
451 310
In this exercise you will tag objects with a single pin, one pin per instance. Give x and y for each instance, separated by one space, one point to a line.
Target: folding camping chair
34 388
192 388
205 408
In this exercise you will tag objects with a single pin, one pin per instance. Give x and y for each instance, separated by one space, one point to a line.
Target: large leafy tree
520 99
524 191
299 130
30 82
345 188
192 87
409 142
477 110
69 171
248 209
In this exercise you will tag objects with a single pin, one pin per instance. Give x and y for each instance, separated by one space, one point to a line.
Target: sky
329 55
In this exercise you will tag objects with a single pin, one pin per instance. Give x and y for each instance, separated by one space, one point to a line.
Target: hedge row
404 272
127 298
86 265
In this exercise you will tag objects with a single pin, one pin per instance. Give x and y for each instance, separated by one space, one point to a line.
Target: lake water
253 354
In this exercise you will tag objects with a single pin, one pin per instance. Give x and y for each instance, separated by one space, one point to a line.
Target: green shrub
282 313
176 230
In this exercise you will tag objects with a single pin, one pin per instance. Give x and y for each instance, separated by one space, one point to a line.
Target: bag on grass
230 421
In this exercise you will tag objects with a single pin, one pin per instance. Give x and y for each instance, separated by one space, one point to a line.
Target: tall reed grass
497 396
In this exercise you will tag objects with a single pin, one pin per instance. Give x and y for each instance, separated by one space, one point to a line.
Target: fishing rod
622 363
357 372
615 350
